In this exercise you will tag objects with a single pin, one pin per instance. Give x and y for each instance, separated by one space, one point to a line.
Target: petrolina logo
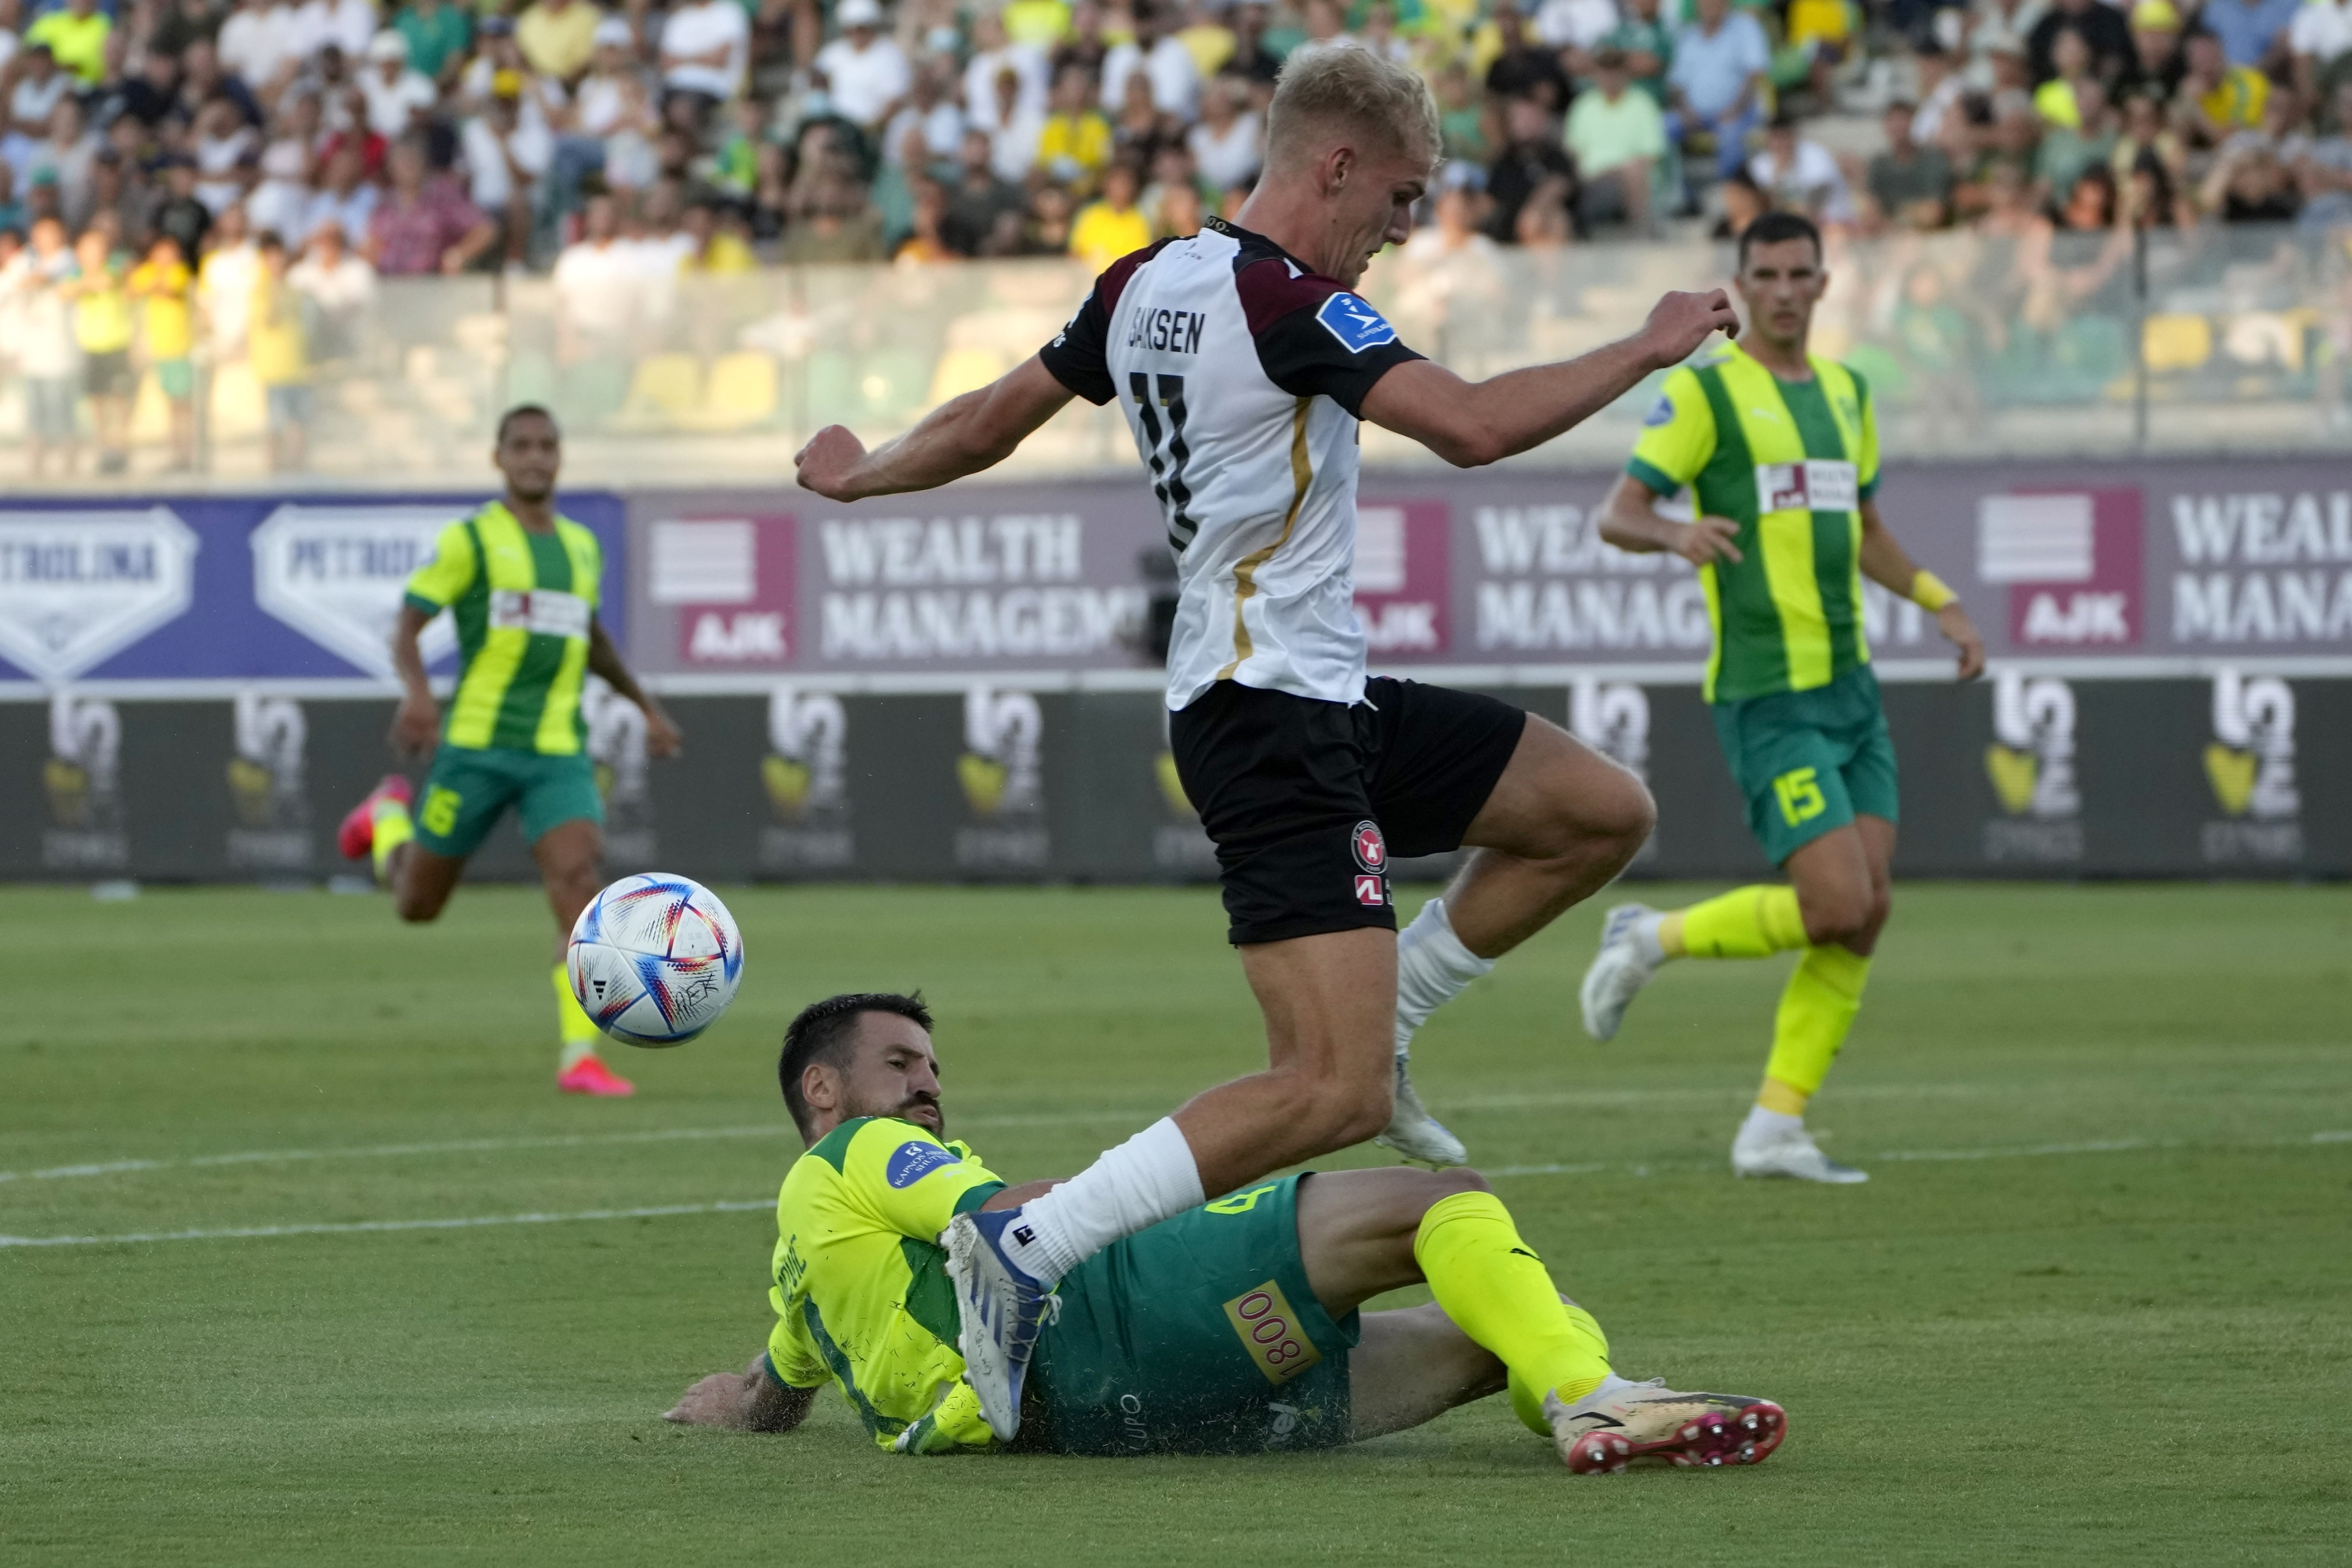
2072 565
2249 764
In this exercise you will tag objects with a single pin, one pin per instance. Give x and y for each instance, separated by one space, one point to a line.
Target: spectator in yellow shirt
558 37
161 284
2221 99
1113 227
101 309
76 33
1075 145
278 346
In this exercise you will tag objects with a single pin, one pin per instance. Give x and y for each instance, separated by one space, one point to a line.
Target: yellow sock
1498 1292
393 829
1817 1009
579 1034
1746 922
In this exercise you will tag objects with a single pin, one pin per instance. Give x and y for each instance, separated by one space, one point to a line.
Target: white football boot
1618 974
1789 1151
1414 1133
1613 1426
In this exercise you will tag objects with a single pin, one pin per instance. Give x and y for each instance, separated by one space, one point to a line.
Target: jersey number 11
1168 472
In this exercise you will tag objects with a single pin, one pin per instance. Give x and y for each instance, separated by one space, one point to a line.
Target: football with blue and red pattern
655 959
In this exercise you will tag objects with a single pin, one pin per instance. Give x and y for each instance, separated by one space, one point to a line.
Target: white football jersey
1242 374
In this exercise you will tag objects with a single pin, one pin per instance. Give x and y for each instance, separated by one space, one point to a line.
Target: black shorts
1308 801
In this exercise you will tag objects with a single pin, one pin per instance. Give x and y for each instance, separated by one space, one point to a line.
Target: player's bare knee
1461 1179
1838 916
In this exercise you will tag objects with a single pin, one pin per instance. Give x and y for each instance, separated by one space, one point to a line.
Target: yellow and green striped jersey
524 602
1790 462
861 1294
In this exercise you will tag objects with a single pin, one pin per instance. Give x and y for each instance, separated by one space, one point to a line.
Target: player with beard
1230 1329
520 581
1243 360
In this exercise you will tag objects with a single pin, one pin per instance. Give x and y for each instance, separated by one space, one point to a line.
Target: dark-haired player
1779 449
1244 361
1232 1328
520 581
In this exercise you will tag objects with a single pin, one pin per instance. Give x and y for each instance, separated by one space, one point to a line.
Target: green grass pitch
2091 1309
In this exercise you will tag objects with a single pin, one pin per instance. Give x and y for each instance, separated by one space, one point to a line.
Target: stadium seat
238 409
531 378
743 391
665 386
2175 343
832 388
965 370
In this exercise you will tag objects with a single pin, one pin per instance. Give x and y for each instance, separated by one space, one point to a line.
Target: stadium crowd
230 180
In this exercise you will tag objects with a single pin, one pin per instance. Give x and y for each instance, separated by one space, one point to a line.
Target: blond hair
1344 86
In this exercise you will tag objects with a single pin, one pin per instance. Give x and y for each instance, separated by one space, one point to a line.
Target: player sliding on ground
1243 362
1229 1328
520 581
1779 450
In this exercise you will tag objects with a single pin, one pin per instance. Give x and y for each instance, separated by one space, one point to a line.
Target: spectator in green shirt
1648 45
1617 135
438 36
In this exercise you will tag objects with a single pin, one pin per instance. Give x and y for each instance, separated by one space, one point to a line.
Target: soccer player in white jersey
1244 361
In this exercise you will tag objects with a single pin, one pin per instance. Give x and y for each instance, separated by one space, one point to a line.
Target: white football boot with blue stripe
1001 1307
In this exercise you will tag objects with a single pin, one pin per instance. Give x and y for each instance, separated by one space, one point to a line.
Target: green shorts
469 788
1810 762
1200 1335
176 377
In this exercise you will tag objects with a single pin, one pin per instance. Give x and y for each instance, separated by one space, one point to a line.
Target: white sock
1764 1126
1645 940
1432 967
1150 1177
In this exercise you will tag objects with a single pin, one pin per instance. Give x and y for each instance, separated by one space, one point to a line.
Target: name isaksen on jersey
1176 332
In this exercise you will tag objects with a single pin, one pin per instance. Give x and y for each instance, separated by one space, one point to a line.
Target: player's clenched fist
827 462
1678 323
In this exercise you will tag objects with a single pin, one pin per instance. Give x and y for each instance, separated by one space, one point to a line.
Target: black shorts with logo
1308 801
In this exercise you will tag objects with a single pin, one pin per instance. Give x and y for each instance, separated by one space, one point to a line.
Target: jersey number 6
1168 473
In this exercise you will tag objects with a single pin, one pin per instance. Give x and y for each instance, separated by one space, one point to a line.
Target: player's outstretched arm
1473 423
748 1401
663 738
1885 563
961 436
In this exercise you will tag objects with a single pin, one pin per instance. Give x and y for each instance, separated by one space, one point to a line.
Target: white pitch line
499 1145
351 1226
749 1205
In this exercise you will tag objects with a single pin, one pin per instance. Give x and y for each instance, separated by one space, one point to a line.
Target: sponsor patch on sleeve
912 1161
1355 324
1661 413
